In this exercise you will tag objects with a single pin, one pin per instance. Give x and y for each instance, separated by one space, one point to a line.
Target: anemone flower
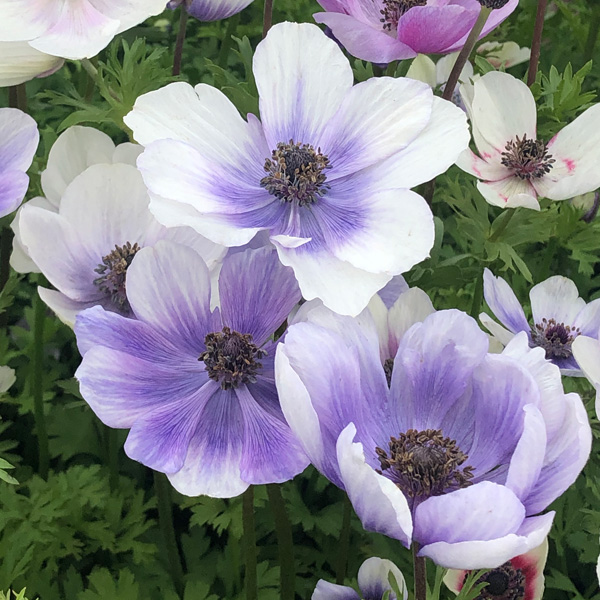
504 55
462 452
327 172
195 387
19 140
559 316
19 62
382 31
72 29
513 166
373 583
72 153
86 247
211 10
521 577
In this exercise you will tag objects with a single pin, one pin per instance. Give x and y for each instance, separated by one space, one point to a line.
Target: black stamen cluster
555 338
503 583
393 9
495 4
528 159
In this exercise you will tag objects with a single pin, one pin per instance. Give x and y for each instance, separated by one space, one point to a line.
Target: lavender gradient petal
256 292
331 591
160 438
503 303
168 287
214 10
373 579
270 453
13 187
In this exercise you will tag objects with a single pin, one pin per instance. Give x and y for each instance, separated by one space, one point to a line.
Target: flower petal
503 303
556 298
331 591
20 140
373 578
510 192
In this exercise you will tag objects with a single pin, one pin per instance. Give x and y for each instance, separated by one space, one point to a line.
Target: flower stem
37 384
484 13
420 573
344 546
267 17
89 68
477 296
178 53
285 541
536 43
249 544
165 519
593 31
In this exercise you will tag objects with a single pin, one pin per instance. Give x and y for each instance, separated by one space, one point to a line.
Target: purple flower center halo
393 9
527 158
506 582
424 464
295 173
555 338
231 358
113 273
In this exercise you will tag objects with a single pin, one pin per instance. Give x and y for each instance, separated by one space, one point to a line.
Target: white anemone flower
72 29
327 171
72 153
7 378
504 55
19 62
85 248
514 167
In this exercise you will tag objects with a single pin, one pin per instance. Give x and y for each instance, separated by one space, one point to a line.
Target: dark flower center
231 358
393 9
295 173
388 367
503 583
528 159
555 338
424 463
113 272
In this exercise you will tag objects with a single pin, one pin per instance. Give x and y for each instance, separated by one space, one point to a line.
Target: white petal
413 306
556 298
378 502
62 306
73 152
422 68
342 287
298 100
445 65
129 12
7 378
19 62
499 333
373 577
511 192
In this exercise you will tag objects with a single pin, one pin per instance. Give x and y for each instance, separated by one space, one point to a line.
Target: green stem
285 541
344 547
165 519
37 385
592 38
89 68
477 296
420 573
178 52
249 544
17 97
484 13
505 220
112 442
536 42
267 17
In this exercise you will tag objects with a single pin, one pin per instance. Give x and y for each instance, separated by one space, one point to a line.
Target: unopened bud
493 3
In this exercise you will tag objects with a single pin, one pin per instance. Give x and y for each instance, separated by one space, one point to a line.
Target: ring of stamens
295 173
424 463
231 358
113 272
393 9
503 583
555 338
527 158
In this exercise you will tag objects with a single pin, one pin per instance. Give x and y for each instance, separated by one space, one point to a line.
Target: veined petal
290 87
16 22
469 162
19 62
556 298
378 502
64 307
19 142
13 187
214 10
503 303
510 192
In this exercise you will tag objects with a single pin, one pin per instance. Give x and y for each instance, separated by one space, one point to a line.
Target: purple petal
256 293
503 303
13 187
331 591
168 287
373 579
160 438
211 10
19 140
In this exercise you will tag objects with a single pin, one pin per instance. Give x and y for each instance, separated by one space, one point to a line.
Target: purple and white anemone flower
196 387
520 578
459 455
513 166
559 316
72 153
19 62
72 28
211 10
327 171
373 583
86 247
382 31
19 140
